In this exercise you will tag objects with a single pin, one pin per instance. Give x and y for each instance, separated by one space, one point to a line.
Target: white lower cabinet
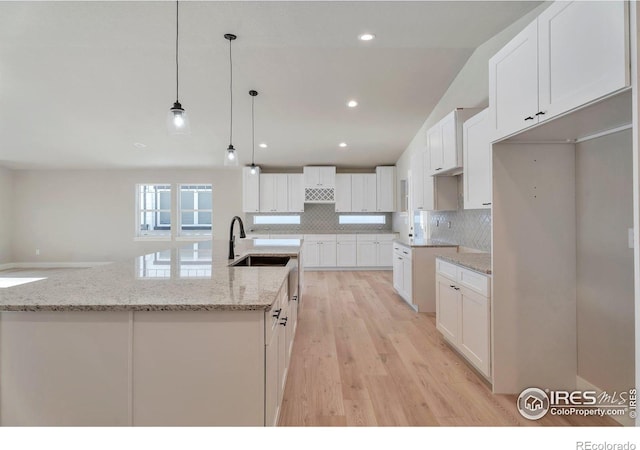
463 312
346 253
319 250
375 250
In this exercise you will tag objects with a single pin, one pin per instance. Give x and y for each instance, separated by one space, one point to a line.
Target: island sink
261 260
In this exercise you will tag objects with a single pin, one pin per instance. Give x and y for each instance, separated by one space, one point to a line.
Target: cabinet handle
284 321
452 286
294 298
419 207
400 258
439 168
277 313
541 113
486 204
528 118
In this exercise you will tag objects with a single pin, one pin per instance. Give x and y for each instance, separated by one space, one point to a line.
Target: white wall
470 89
89 215
605 287
6 209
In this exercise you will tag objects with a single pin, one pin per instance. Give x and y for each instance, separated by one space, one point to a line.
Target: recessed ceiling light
139 145
366 37
352 103
263 145
342 144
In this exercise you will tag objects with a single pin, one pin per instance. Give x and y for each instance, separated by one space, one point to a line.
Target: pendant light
177 121
254 169
231 157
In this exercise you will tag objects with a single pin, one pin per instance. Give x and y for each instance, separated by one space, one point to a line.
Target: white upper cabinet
295 186
250 190
583 49
274 194
444 143
416 181
477 182
319 177
343 192
513 84
572 54
386 188
363 192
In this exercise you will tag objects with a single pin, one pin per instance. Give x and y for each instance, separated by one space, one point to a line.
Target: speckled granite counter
423 243
196 277
480 262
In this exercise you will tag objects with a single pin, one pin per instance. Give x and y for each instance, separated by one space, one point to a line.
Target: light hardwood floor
363 357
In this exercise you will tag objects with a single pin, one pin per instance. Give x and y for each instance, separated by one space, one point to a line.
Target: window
154 210
368 219
264 220
195 209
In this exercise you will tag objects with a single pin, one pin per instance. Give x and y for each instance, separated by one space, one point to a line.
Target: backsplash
316 217
469 227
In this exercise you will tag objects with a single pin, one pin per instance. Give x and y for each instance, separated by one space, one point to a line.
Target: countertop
302 233
480 262
196 277
423 243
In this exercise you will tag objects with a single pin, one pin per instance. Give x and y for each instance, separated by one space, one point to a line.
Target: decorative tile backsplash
465 227
316 217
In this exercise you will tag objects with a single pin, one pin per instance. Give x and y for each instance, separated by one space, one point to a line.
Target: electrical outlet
630 237
37 252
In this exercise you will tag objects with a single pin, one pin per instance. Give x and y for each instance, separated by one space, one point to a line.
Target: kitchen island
173 338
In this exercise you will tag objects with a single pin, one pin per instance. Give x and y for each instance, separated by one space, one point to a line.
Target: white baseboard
584 385
52 265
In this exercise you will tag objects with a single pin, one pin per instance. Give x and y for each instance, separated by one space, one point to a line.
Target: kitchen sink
261 260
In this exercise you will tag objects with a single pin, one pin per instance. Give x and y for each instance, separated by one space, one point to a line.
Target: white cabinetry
463 312
375 250
430 193
363 192
343 192
386 188
402 272
319 250
417 181
477 162
295 187
444 144
250 190
346 255
274 193
572 54
319 176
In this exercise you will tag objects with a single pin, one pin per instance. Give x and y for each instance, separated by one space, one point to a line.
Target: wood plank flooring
363 357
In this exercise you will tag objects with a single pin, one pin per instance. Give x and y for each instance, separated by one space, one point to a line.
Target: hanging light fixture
231 157
177 121
254 169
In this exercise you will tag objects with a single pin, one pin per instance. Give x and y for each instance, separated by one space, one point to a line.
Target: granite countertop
174 280
480 262
423 243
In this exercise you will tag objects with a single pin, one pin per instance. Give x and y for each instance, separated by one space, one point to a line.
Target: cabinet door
327 177
583 53
477 182
281 192
447 298
474 338
449 128
343 192
434 149
295 185
327 253
250 190
271 381
282 352
357 192
311 176
407 281
366 254
267 192
384 254
311 253
369 192
346 254
386 188
513 84
417 180
398 276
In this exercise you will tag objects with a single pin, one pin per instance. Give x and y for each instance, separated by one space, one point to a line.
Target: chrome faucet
232 238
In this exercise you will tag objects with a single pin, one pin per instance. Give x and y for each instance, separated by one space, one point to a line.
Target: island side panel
195 368
64 368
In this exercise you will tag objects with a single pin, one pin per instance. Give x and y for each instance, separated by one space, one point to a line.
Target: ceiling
82 82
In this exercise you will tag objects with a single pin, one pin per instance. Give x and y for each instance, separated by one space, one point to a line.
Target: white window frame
139 233
288 219
195 234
